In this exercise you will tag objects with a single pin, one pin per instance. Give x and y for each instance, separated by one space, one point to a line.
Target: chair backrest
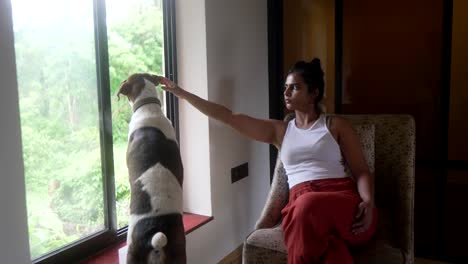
394 173
394 146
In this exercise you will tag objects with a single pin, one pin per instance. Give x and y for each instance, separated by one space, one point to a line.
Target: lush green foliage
60 122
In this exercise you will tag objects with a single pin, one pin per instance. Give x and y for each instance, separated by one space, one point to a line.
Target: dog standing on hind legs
155 230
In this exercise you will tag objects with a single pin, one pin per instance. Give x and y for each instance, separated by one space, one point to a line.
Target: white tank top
311 154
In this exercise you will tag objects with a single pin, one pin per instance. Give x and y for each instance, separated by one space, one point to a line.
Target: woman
327 210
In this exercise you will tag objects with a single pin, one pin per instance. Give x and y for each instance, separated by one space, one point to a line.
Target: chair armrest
277 198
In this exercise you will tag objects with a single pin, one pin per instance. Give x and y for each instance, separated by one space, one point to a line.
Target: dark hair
312 74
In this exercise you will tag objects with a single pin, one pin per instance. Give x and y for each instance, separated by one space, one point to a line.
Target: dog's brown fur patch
134 84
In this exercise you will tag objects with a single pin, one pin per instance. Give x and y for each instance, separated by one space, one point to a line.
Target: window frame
111 235
170 60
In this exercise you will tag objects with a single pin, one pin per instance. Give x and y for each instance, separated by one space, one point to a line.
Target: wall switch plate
239 172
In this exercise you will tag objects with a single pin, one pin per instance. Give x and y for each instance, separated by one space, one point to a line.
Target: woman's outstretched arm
265 130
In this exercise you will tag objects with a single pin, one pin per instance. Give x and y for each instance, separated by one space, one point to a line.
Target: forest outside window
71 56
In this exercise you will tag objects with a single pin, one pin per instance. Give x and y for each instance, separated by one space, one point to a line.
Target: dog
155 230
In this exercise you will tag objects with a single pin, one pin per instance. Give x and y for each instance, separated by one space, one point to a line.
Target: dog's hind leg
146 229
174 251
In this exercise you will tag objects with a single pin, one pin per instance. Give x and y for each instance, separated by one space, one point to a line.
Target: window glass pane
135 39
55 55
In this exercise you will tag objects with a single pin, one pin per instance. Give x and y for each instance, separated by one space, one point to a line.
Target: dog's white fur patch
163 188
146 117
151 115
165 193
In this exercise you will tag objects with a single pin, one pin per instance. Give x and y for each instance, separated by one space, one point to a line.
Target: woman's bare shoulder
281 125
280 130
340 127
340 122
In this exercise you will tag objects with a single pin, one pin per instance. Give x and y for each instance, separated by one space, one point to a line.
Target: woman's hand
364 217
170 86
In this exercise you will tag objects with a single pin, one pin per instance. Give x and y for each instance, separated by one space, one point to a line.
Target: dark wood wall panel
458 122
426 213
392 63
455 228
456 217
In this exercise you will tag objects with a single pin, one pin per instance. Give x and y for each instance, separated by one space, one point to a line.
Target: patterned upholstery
392 139
366 133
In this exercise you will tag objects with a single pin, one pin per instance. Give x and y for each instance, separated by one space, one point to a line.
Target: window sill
111 254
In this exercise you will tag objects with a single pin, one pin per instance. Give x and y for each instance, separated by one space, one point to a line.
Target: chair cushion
267 246
270 238
257 255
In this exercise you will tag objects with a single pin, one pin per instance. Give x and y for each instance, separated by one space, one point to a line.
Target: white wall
236 75
194 133
14 246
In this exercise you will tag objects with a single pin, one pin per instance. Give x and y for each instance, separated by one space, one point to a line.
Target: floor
236 258
427 261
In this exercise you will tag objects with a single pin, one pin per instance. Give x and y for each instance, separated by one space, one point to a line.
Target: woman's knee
309 203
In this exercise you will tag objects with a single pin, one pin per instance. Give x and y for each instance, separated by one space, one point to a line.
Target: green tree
59 120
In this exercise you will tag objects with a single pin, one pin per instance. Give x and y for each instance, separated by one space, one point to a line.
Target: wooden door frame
275 63
275 68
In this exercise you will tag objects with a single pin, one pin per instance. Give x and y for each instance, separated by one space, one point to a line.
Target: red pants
317 222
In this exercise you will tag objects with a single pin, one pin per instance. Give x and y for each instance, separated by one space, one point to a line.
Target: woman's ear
313 95
316 92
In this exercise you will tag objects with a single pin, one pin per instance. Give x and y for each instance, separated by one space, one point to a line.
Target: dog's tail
158 241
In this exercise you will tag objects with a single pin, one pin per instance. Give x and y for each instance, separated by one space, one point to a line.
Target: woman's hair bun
315 67
311 66
300 64
315 61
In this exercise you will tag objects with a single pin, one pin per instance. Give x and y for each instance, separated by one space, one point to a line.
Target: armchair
389 145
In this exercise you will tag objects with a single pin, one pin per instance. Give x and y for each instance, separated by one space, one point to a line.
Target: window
135 41
71 57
